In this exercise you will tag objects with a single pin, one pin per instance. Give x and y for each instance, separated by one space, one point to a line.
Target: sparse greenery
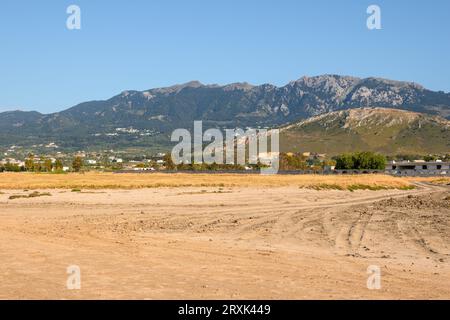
326 186
34 194
358 186
354 187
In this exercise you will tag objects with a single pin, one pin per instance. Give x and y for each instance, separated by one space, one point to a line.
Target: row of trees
297 161
293 161
288 162
360 161
11 167
170 165
42 165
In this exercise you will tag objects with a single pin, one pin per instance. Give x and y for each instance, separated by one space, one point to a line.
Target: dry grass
445 180
358 186
93 180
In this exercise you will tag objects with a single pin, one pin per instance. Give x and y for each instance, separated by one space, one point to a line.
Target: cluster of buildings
314 155
106 159
12 161
128 131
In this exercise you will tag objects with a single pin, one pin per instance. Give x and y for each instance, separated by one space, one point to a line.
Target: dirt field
224 241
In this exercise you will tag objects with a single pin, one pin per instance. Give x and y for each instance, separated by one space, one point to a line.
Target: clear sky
139 45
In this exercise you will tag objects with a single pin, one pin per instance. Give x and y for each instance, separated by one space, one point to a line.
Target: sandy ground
226 243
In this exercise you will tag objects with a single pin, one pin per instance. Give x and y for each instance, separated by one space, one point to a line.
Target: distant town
20 159
17 158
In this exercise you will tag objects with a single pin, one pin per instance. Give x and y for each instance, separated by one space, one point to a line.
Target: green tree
48 165
37 167
29 164
378 162
344 161
361 161
77 164
430 158
293 161
11 167
58 165
168 162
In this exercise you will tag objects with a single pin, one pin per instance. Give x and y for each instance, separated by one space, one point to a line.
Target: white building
418 168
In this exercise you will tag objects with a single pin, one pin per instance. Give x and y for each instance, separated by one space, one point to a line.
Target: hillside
389 131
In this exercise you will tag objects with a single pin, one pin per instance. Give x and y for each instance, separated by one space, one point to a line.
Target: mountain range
152 114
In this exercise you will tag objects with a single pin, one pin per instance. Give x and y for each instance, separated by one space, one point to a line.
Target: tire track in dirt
282 246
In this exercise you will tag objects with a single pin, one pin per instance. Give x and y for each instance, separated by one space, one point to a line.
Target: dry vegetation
34 194
441 181
93 180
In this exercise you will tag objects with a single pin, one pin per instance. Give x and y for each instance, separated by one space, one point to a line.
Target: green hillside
388 131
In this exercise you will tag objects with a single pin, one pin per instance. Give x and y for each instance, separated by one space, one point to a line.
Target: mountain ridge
311 81
162 110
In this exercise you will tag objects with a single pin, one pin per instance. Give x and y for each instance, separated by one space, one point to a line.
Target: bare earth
280 242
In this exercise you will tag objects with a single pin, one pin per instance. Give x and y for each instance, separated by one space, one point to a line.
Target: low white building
418 168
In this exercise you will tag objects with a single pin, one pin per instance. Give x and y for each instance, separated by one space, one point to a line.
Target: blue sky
145 44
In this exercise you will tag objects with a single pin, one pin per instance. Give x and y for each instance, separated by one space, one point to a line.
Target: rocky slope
390 131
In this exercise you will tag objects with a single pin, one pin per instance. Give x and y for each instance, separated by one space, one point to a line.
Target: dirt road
220 242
